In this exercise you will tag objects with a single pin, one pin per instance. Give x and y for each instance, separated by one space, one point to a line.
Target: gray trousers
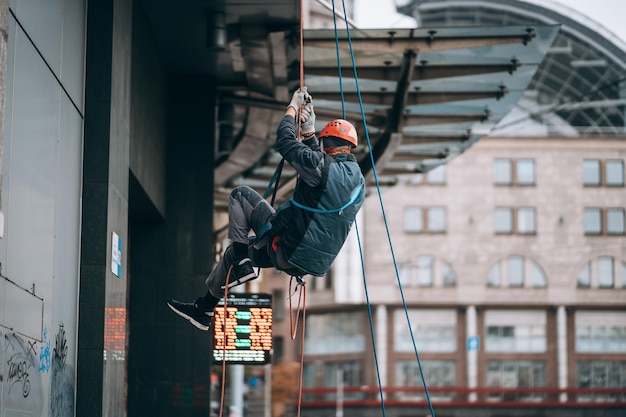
247 210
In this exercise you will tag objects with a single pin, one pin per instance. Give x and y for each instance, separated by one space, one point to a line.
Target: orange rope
224 349
302 284
301 48
294 329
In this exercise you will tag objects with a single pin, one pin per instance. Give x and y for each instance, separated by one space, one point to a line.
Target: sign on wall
243 329
116 255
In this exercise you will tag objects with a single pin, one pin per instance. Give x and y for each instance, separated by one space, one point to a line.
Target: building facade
504 270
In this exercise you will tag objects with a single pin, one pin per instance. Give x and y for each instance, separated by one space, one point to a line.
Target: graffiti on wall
44 353
62 378
22 371
22 387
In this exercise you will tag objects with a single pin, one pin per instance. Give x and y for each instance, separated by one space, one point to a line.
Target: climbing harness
355 194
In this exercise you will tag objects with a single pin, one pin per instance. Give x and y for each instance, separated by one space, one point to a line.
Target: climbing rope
404 304
224 342
301 285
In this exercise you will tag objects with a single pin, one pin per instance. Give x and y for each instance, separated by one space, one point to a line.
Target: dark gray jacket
330 190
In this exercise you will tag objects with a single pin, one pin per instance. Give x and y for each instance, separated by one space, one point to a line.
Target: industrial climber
304 235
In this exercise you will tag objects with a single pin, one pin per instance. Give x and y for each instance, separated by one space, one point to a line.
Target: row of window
504 331
596 172
514 271
516 220
499 373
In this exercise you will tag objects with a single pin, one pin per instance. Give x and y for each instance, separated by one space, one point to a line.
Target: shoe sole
241 280
189 318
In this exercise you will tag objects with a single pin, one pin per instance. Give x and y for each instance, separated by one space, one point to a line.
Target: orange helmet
340 129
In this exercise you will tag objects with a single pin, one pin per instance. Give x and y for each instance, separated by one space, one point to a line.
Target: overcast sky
609 13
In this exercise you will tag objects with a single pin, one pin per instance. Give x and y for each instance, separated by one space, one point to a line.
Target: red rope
224 348
294 329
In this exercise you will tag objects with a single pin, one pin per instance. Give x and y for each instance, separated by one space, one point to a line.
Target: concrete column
101 369
382 352
471 326
561 346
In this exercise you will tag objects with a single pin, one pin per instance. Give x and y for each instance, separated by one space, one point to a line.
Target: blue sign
116 254
473 342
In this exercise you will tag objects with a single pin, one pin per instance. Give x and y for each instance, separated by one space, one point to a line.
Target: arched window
602 272
516 271
427 271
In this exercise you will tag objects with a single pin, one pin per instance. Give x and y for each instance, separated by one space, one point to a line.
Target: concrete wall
42 51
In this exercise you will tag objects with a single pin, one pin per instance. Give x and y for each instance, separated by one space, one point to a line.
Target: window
502 172
605 272
602 374
426 271
277 350
514 172
515 331
278 298
584 276
334 333
437 373
504 220
436 330
598 172
435 219
494 276
615 173
602 272
523 218
525 172
516 374
593 221
604 221
447 274
351 373
615 221
600 331
591 172
425 266
516 271
413 219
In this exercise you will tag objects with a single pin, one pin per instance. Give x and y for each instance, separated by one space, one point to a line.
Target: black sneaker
190 311
242 272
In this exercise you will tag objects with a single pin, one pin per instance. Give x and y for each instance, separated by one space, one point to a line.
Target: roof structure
419 97
577 91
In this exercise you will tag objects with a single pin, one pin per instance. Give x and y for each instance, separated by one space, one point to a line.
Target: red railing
468 397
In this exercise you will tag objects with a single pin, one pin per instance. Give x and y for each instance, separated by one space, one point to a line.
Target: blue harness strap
355 194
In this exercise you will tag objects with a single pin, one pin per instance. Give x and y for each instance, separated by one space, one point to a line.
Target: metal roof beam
436 119
423 71
421 44
415 97
425 140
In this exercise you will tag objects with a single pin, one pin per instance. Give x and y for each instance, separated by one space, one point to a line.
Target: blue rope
395 265
358 234
343 106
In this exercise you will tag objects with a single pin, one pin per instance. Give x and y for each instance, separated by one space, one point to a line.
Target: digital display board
244 330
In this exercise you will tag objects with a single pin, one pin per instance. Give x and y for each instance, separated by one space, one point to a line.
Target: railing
468 397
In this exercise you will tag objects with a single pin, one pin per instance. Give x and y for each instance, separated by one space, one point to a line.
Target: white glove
299 99
307 120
